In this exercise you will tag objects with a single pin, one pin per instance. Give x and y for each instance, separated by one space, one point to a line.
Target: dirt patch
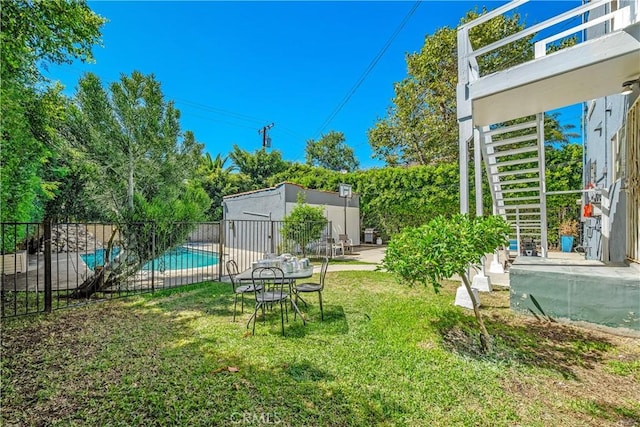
581 388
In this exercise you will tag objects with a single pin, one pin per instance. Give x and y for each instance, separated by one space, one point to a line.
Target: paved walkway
370 254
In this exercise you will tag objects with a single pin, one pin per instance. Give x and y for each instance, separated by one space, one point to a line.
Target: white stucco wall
335 214
273 204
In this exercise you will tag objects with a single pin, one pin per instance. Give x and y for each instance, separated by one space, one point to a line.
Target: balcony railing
615 19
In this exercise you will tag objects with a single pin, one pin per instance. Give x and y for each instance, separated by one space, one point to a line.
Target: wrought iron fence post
48 292
153 256
221 235
272 237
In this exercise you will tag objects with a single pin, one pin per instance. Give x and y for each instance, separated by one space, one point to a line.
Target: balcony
592 68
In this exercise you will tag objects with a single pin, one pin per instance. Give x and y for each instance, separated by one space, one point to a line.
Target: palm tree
218 180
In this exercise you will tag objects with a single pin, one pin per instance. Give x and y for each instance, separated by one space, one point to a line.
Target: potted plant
567 229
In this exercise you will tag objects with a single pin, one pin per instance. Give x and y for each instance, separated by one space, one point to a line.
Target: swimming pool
175 259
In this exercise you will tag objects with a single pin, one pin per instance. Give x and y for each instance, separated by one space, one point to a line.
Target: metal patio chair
270 287
238 287
313 287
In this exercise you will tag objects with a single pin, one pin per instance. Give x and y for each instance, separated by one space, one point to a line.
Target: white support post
496 266
481 282
477 168
544 245
464 114
463 299
518 230
465 128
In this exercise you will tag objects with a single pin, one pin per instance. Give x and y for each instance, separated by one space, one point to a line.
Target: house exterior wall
603 120
317 197
248 216
257 205
604 233
334 209
335 214
276 203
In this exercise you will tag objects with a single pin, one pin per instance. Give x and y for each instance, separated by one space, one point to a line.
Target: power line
368 70
215 120
219 111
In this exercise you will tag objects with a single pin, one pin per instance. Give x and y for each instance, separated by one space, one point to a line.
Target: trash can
369 235
528 248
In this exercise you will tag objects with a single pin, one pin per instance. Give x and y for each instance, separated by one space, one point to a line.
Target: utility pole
266 140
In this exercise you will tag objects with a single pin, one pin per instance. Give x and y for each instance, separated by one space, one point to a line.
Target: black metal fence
246 241
56 265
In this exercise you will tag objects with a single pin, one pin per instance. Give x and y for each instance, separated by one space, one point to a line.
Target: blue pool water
175 259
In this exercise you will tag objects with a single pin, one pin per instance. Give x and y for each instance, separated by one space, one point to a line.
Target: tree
421 125
304 224
48 31
218 181
390 198
307 176
331 152
444 247
35 33
145 166
257 167
563 172
394 198
74 195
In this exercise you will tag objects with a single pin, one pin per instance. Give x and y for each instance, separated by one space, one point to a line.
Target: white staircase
489 103
514 160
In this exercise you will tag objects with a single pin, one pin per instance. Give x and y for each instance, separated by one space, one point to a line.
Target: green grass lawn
386 354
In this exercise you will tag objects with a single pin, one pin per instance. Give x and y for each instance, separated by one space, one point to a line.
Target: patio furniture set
273 281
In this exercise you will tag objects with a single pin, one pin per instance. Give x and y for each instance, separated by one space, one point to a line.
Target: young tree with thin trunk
304 224
445 247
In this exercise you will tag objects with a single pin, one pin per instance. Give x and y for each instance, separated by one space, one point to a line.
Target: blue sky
233 67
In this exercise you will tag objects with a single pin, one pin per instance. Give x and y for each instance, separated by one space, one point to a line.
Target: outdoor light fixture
627 87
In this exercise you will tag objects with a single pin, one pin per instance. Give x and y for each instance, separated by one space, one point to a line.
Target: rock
72 238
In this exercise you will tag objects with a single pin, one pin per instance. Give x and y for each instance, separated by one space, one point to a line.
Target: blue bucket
566 242
513 245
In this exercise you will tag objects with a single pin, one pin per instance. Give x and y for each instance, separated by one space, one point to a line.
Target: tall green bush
34 34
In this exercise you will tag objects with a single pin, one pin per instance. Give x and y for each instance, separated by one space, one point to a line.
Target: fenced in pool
47 266
176 259
56 263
